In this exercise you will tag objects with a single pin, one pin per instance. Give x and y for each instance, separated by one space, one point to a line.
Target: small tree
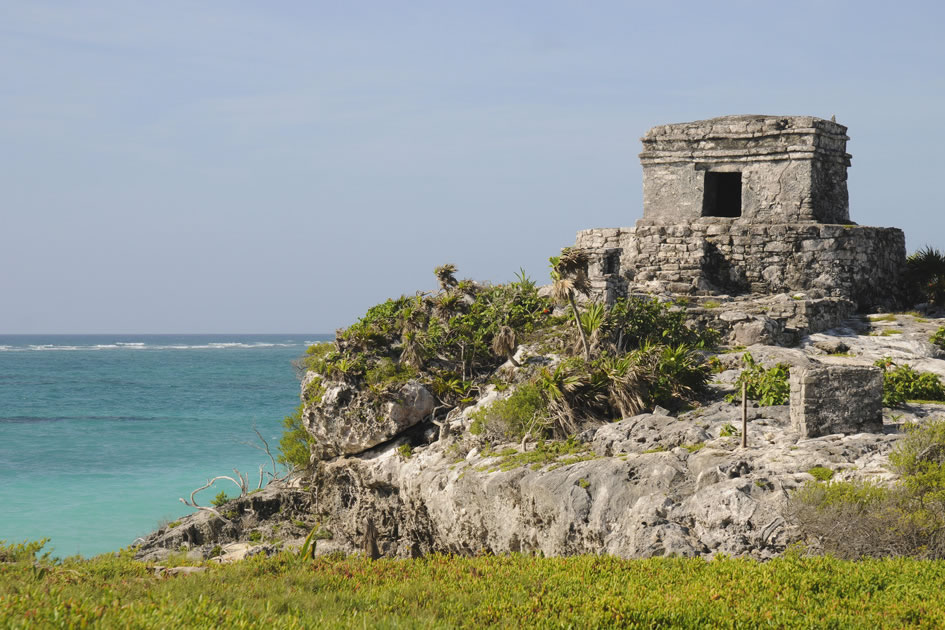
569 273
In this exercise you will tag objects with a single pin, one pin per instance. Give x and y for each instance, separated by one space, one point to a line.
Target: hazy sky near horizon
281 166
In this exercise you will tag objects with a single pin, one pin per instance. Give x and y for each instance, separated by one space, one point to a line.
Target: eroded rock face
658 486
646 432
281 510
343 423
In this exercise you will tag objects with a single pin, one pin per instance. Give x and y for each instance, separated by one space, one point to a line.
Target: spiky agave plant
569 274
627 385
504 344
558 386
680 372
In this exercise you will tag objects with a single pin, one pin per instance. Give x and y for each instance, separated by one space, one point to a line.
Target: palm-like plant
446 275
345 369
626 384
592 323
681 371
558 387
411 350
504 344
569 273
446 304
926 274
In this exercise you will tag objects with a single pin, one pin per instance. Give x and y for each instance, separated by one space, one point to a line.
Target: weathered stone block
828 399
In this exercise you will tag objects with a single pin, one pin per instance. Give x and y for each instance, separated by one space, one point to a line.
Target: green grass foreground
509 591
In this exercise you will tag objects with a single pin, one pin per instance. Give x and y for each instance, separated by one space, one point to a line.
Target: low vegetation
925 276
287 591
609 362
938 338
768 386
547 455
903 383
855 519
296 443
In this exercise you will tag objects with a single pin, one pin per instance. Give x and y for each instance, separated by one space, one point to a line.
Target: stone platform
715 255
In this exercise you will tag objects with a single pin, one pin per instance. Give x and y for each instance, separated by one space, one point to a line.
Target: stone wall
836 399
777 320
862 264
792 168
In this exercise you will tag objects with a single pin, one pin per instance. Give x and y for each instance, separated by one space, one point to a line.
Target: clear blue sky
281 166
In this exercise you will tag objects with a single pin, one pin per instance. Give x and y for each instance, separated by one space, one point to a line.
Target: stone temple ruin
747 205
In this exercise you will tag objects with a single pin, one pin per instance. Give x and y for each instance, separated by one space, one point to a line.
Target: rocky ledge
648 485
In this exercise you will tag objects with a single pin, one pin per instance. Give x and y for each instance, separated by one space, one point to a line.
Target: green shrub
592 317
635 322
295 445
850 519
318 356
938 338
220 499
524 411
821 473
855 519
920 458
314 390
386 374
405 451
902 383
729 430
679 374
22 552
767 386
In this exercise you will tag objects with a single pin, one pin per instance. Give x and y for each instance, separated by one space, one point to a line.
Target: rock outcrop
648 485
279 513
344 423
652 485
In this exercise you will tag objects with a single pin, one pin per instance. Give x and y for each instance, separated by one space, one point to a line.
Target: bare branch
268 452
210 482
243 482
206 509
274 475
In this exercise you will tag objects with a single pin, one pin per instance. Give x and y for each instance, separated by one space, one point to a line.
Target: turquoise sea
100 434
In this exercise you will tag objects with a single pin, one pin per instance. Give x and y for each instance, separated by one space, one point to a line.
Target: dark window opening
610 265
723 195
